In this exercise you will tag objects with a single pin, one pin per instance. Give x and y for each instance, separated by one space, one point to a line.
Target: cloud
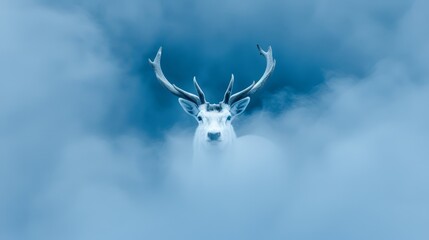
90 149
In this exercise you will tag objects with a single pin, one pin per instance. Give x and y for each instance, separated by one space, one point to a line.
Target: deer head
214 120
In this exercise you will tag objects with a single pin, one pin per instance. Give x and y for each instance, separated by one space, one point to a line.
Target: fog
93 147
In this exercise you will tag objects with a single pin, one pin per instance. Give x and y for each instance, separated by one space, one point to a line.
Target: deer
214 133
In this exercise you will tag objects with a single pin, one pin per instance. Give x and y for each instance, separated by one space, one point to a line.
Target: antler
271 63
156 64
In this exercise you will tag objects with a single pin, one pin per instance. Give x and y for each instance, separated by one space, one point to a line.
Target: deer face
214 120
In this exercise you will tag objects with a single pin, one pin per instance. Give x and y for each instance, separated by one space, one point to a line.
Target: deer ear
189 107
238 107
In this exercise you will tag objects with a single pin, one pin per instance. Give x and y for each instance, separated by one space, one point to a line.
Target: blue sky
93 147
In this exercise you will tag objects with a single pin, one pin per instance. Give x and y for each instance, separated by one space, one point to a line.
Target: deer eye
228 118
200 118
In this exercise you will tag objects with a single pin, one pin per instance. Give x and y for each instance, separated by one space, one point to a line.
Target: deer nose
213 136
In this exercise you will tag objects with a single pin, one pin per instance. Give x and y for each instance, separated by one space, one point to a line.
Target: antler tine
156 64
271 63
242 94
228 90
199 91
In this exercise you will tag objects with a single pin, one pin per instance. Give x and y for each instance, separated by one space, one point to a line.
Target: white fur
214 121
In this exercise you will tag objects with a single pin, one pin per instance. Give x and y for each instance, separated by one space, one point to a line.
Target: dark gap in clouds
214 39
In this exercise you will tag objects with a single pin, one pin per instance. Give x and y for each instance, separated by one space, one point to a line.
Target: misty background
93 147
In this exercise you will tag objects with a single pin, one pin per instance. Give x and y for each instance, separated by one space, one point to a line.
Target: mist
93 147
